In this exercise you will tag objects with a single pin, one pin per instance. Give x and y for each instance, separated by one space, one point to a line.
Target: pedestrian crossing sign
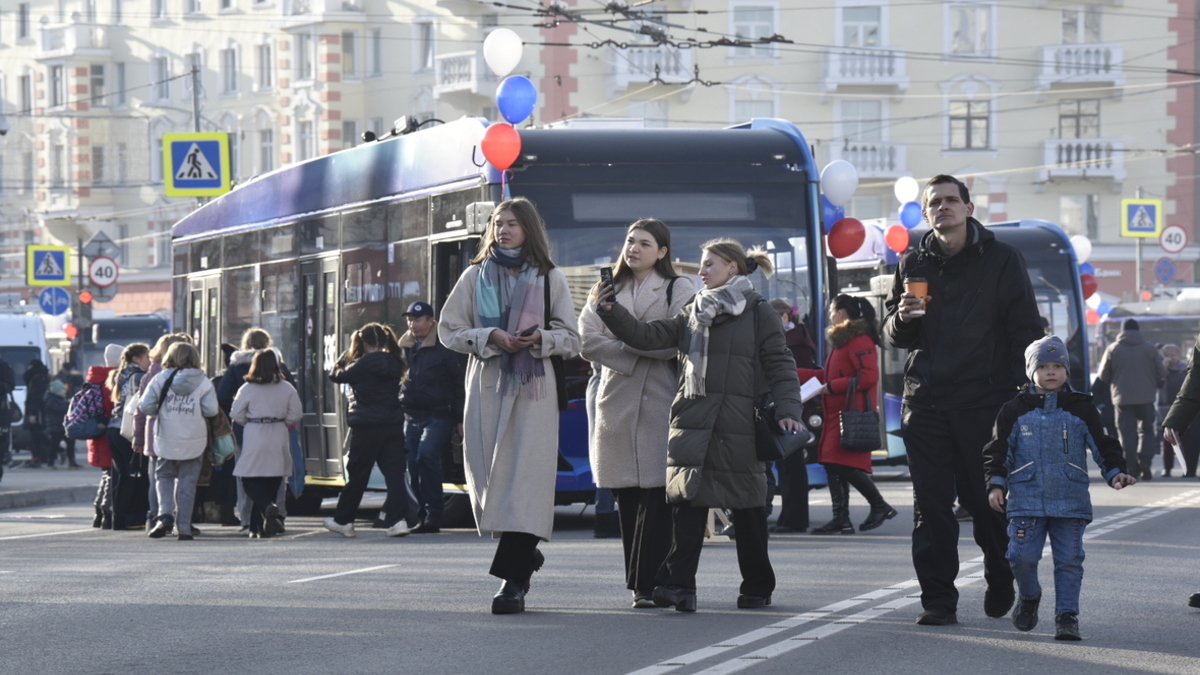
47 265
196 165
1141 218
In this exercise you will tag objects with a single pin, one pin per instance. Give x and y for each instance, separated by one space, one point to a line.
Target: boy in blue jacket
1038 454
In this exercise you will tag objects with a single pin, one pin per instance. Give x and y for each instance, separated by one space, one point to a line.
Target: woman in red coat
855 340
99 455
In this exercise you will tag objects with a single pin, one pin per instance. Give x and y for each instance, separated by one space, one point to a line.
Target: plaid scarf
727 299
512 303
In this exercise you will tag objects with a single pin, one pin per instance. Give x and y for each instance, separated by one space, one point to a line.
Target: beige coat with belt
510 443
633 405
266 449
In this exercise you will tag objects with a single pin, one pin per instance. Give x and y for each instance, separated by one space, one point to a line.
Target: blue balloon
1103 309
516 97
1087 268
910 215
830 214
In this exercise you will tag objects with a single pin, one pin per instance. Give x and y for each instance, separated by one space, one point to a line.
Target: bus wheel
457 510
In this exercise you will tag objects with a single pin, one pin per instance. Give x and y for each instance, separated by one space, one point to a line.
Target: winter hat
1129 324
1049 349
57 388
112 355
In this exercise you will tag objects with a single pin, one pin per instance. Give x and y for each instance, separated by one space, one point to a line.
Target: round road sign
103 272
1173 239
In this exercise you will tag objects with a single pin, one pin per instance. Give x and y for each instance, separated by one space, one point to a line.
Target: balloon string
505 195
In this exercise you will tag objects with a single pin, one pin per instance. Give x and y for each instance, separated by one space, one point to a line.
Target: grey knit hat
1046 350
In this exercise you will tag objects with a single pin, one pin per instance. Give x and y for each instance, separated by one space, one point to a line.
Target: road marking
1110 523
342 574
47 534
32 517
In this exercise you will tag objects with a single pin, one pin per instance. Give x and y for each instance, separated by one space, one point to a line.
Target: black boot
839 495
608 526
510 599
99 519
881 511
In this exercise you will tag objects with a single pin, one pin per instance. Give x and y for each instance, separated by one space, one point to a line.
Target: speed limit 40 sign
1173 239
103 272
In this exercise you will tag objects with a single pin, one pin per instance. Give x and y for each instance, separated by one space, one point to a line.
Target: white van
22 339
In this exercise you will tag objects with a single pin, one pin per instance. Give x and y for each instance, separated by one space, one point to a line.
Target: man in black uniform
432 396
967 345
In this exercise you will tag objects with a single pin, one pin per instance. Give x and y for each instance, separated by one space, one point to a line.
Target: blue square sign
196 165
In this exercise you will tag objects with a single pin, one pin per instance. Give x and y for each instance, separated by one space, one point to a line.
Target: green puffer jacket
711 459
1187 403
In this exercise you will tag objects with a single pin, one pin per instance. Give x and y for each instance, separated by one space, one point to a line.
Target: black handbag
771 443
859 428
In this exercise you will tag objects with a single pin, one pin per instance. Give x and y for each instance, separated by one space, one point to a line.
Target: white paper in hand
1179 456
810 389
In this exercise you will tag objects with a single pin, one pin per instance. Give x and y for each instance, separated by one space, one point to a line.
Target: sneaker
1194 600
427 527
1025 616
346 530
400 529
162 527
1066 627
937 616
244 531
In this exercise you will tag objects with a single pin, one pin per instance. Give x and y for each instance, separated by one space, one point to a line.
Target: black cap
1129 324
419 308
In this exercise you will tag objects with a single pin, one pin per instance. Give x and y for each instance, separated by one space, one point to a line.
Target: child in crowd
1038 454
55 409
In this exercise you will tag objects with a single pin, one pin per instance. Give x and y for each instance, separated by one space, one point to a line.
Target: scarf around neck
512 303
710 302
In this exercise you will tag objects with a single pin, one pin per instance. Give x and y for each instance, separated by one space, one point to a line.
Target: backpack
85 418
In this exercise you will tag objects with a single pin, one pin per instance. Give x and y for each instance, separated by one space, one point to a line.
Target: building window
752 98
264 66
98 175
161 70
27 171
25 84
122 164
862 121
753 23
350 54
304 56
163 243
89 11
970 29
652 113
1081 25
226 4
22 20
118 84
58 163
1080 214
98 90
423 60
235 150
191 6
1079 118
375 53
158 9
229 83
123 243
306 147
58 86
969 125
861 26
118 12
266 150
349 134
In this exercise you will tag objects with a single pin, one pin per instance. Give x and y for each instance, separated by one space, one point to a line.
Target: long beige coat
510 443
633 405
266 449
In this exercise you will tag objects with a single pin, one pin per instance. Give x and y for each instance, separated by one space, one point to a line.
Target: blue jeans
425 438
1027 538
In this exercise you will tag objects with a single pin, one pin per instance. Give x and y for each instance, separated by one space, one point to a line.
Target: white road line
342 574
47 534
972 575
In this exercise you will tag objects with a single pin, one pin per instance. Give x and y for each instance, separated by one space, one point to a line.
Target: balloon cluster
1087 280
516 98
906 190
844 236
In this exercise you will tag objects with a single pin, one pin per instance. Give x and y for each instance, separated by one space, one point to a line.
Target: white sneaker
400 529
346 530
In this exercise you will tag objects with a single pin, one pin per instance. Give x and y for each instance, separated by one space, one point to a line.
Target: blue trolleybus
313 251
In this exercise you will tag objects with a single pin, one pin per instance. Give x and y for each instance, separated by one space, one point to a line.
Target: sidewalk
21 488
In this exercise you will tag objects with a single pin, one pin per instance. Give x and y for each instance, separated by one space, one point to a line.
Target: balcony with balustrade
297 13
76 38
873 159
1087 64
462 73
650 63
1099 158
845 67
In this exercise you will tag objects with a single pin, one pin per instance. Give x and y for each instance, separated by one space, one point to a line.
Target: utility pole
196 99
1137 270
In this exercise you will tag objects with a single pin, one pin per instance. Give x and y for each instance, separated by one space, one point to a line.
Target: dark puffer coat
374 389
711 458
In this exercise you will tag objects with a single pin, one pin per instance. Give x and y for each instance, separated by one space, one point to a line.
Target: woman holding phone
498 314
633 402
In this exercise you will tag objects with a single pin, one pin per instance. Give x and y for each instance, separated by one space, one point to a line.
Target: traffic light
81 316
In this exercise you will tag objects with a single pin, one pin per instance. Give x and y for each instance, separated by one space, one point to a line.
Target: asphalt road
77 600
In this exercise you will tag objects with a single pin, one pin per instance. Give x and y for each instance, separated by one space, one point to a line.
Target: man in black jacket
1182 413
432 396
967 345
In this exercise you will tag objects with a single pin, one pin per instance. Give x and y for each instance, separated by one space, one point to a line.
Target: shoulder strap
546 301
162 395
671 291
854 387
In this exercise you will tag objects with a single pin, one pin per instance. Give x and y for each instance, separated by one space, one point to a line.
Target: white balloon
907 189
502 50
839 180
1083 248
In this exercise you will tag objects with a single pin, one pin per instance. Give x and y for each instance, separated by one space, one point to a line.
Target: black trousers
124 483
688 523
793 490
861 480
945 457
514 559
645 534
366 447
262 491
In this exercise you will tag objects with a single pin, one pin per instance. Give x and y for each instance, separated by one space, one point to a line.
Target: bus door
204 319
449 257
320 349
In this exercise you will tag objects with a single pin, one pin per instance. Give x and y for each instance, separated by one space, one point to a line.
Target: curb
47 497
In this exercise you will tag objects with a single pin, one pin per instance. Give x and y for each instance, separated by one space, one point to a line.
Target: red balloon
1093 317
1090 286
897 238
501 145
845 237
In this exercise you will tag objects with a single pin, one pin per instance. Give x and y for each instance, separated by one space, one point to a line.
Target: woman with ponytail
732 349
497 314
854 336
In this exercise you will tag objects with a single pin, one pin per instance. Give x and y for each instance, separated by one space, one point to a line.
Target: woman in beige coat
497 314
266 405
633 405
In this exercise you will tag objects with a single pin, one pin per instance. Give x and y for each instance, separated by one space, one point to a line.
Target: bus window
241 300
407 274
408 220
319 234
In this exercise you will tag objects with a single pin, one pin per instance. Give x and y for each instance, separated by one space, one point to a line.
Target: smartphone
606 275
528 331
